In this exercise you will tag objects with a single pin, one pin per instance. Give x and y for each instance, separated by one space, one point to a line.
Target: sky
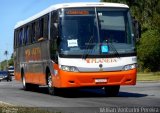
13 11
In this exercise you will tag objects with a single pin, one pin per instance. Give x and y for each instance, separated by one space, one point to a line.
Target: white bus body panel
93 64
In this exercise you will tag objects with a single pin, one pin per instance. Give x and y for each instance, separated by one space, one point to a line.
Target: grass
148 76
7 108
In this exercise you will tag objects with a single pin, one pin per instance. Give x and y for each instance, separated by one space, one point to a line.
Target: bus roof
69 5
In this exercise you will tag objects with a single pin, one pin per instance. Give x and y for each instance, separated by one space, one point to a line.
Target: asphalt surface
144 96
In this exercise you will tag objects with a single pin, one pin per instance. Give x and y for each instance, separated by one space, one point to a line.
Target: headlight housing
129 67
69 68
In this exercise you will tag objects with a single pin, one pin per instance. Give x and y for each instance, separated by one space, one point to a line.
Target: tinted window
26 35
45 26
20 37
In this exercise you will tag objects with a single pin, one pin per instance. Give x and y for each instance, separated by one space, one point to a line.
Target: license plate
100 80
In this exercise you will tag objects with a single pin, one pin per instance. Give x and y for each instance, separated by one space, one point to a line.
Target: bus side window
16 39
33 34
26 35
40 28
20 37
24 39
54 23
17 36
45 26
30 33
23 36
54 36
37 30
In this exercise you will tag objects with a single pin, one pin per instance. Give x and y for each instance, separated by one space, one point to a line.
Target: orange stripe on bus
35 78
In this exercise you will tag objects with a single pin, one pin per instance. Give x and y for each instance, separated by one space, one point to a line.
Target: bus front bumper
66 79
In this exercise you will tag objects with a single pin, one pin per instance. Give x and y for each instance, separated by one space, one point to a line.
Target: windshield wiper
113 48
84 56
110 45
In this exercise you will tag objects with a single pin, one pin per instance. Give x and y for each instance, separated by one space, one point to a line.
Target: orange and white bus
76 45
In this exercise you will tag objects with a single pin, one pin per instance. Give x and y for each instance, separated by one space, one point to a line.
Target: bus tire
112 91
51 90
26 86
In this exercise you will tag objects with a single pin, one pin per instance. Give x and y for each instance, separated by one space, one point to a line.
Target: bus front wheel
51 90
112 91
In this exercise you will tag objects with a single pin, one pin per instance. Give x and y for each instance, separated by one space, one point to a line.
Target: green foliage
4 63
149 51
11 62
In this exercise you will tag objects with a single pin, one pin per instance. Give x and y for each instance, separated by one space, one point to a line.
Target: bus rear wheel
26 86
112 91
51 90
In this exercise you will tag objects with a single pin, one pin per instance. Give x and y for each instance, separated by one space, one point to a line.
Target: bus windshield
95 31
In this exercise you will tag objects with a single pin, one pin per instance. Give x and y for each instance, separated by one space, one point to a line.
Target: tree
149 51
4 62
11 62
6 54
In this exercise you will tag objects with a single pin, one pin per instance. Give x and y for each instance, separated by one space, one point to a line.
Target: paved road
145 94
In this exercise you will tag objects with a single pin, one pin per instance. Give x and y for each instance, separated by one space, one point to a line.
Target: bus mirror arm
56 43
56 58
58 40
137 29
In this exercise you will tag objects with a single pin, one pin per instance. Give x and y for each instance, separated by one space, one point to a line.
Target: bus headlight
69 68
129 67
